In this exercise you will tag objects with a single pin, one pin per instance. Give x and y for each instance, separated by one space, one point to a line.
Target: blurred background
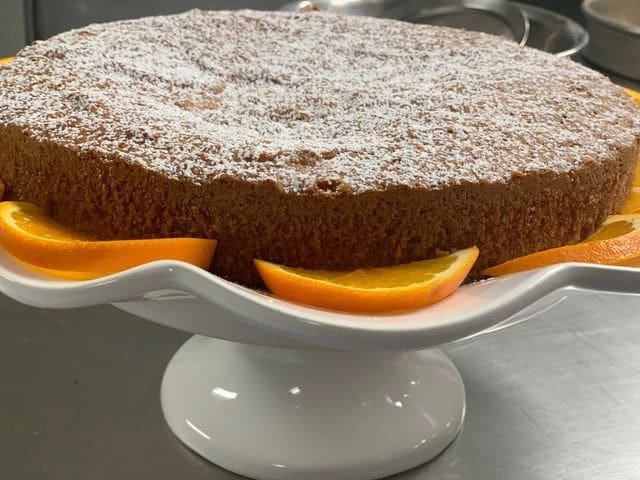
22 21
556 26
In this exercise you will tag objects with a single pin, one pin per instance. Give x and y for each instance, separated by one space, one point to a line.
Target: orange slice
633 94
400 287
617 242
30 236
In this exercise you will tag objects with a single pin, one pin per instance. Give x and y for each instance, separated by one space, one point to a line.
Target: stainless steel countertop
555 397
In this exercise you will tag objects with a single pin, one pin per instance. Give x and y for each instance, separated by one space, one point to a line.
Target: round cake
314 140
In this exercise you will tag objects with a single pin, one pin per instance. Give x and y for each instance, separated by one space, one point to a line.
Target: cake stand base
270 413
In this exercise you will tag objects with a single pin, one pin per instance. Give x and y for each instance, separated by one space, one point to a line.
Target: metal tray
614 27
498 17
525 24
552 32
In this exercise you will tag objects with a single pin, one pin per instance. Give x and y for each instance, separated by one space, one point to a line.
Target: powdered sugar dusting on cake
314 101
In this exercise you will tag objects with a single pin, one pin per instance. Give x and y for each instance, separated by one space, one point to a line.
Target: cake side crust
114 199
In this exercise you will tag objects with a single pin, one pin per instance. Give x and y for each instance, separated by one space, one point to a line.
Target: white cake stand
274 390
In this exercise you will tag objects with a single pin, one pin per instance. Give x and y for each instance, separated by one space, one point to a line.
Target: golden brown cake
313 139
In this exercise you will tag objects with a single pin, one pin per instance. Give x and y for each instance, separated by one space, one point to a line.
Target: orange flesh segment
32 237
398 276
402 287
33 222
617 242
636 97
633 201
610 230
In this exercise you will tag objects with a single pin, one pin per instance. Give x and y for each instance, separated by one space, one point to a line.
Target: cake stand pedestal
272 413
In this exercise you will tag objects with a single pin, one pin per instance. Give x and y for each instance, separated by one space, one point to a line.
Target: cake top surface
314 101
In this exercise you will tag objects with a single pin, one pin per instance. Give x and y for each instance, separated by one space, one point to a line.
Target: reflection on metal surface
295 391
395 403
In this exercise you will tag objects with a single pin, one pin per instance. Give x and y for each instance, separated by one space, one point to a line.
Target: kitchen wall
44 18
12 27
54 16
